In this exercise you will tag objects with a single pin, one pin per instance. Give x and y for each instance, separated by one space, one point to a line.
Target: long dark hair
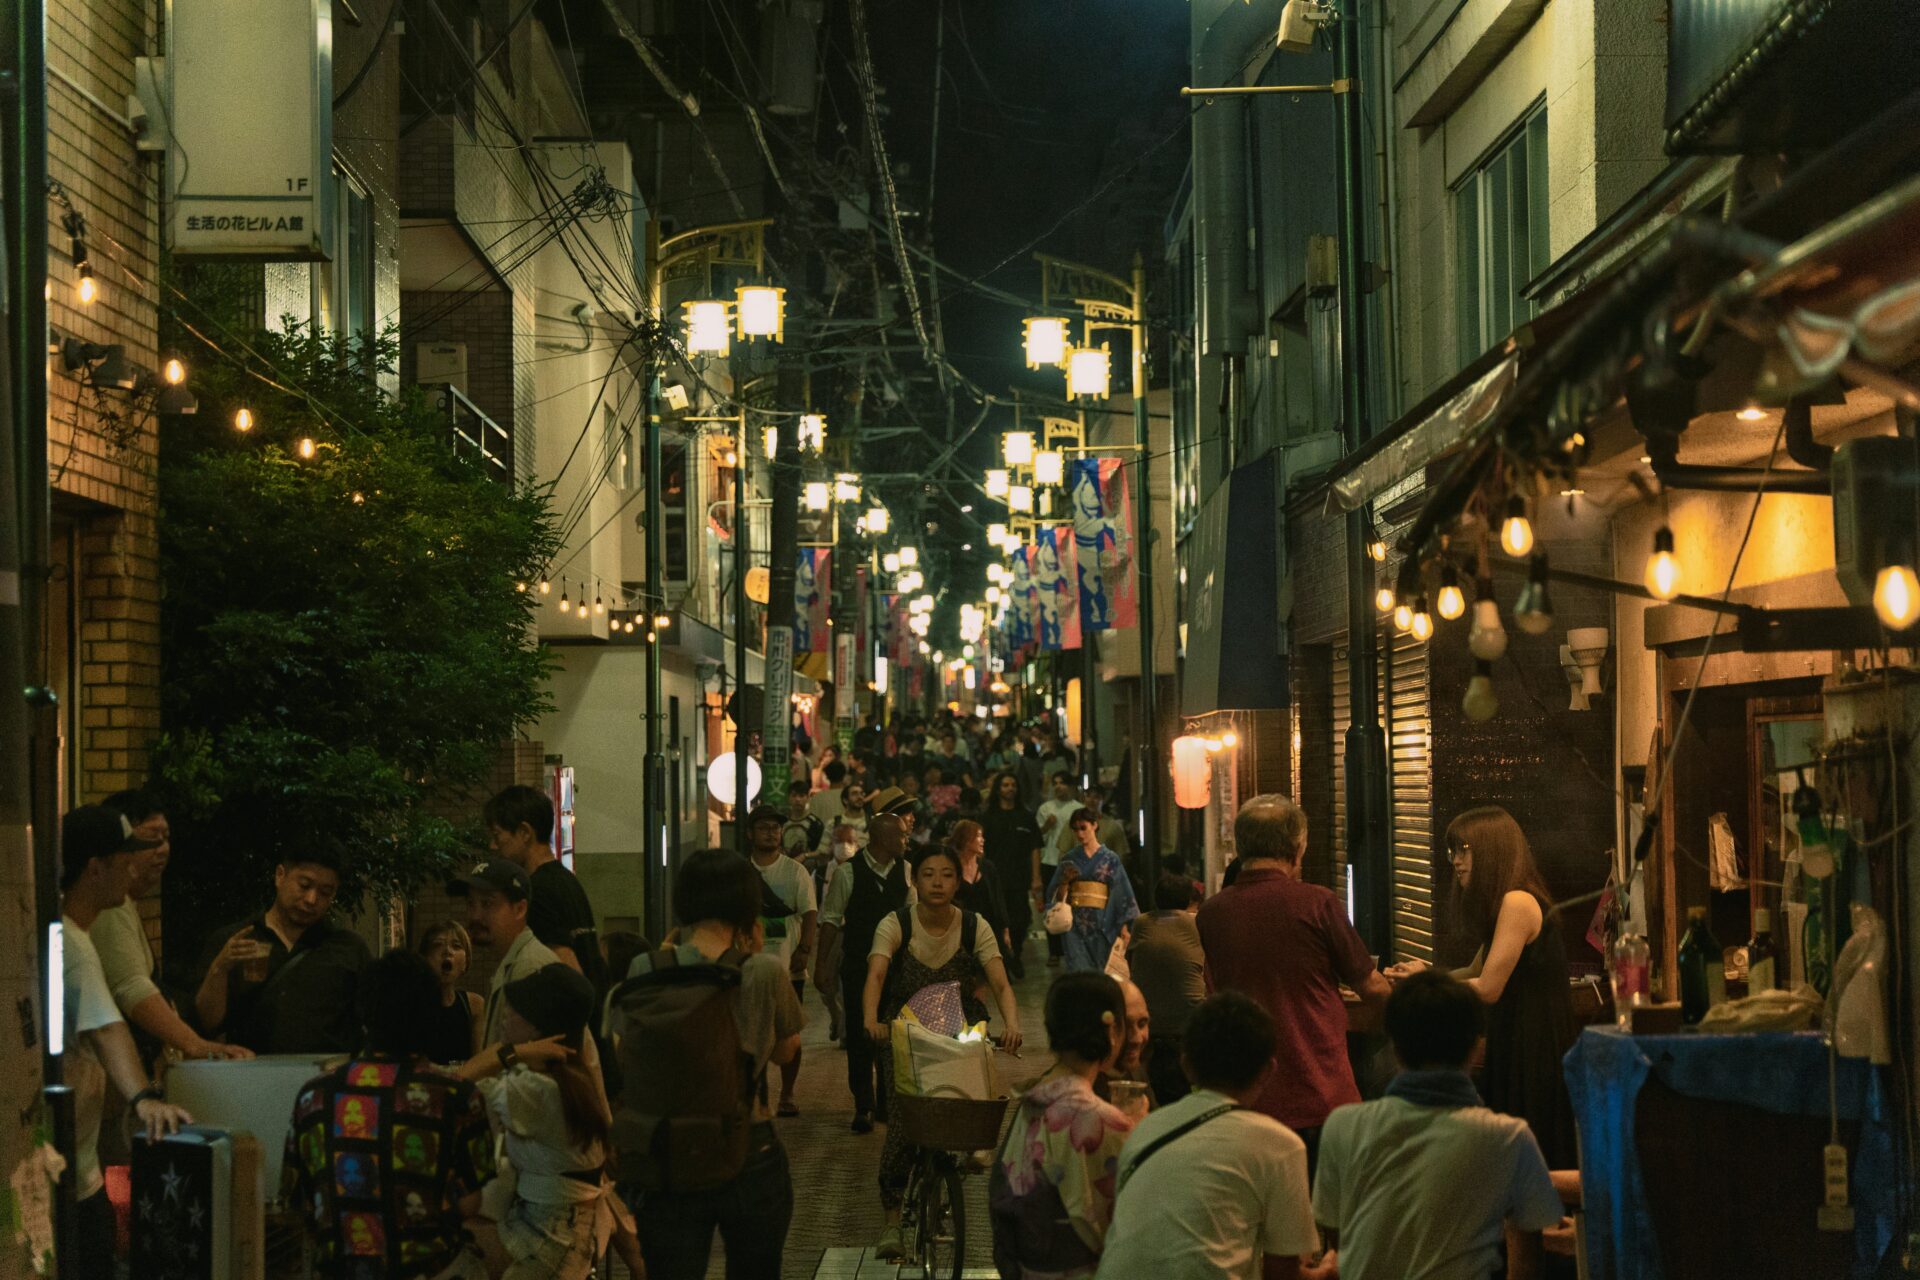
993 789
1502 862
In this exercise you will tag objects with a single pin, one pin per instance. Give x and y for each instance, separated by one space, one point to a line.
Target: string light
243 419
305 447
1403 616
1516 532
85 288
174 371
1663 568
1383 599
1896 596
546 587
1377 550
1422 621
1480 702
1533 612
599 606
566 605
661 621
1453 601
1487 638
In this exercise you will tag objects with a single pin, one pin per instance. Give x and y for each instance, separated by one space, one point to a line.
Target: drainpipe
1224 33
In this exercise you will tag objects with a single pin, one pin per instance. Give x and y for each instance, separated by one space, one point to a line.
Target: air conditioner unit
1323 266
438 363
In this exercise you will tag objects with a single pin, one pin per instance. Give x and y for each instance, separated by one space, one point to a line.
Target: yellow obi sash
1088 893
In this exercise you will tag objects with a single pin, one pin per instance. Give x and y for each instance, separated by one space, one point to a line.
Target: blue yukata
1103 904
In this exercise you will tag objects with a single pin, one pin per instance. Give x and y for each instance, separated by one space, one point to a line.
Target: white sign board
249 91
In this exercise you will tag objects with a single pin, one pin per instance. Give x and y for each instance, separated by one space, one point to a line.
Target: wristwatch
149 1094
509 1054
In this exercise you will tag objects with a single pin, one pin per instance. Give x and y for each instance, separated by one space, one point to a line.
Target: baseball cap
496 875
554 998
765 813
94 831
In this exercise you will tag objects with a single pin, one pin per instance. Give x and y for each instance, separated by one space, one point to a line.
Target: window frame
1502 236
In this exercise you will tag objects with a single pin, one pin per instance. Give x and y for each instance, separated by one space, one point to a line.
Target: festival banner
1019 611
1056 583
812 599
1103 543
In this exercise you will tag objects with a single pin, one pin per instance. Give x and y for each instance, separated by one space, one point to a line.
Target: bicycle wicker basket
948 1124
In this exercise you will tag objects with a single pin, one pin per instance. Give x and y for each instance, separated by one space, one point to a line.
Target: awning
1414 448
1235 652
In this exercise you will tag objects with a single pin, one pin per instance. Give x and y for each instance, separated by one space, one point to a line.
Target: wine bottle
1763 969
1703 972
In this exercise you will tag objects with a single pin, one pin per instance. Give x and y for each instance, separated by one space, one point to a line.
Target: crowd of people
613 1094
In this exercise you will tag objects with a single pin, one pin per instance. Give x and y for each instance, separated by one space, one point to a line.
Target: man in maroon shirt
1289 945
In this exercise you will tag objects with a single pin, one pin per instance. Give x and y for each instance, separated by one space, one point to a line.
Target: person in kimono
1092 880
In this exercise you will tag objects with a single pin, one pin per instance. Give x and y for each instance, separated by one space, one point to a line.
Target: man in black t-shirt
520 828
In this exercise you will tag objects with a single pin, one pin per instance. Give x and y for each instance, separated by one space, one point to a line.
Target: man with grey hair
1289 945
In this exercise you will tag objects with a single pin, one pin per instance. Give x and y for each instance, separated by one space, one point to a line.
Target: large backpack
686 1097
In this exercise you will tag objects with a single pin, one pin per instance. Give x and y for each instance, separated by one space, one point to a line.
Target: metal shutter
1404 704
1342 721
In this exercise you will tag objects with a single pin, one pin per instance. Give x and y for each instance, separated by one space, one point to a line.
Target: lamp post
1109 301
740 245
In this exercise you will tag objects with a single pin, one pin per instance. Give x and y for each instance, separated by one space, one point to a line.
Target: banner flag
1103 543
812 598
1055 582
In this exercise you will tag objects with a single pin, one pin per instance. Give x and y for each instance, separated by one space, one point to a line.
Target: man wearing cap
789 915
98 851
288 980
864 889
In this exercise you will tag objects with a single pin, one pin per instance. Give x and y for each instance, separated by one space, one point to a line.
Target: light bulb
599 606
1376 550
1516 532
1896 597
1229 739
305 447
1663 569
1487 640
174 371
360 500
581 608
1480 702
518 586
732 457
243 419
546 587
1453 601
1383 599
86 290
661 621
1403 616
1533 612
566 605
1422 622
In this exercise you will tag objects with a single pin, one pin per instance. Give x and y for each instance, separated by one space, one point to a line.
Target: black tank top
450 1031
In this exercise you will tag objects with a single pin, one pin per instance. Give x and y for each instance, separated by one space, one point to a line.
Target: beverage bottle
1703 973
1632 977
1763 967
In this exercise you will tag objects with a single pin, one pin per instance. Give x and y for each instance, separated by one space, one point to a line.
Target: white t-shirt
126 957
1212 1202
89 1007
929 948
1060 811
1423 1193
792 883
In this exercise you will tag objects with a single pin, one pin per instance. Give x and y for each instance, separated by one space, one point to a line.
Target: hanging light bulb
1017 447
1487 638
1383 598
566 605
174 371
243 419
305 446
1516 531
1421 625
627 627
85 288
1896 597
581 608
997 482
546 587
1049 466
1046 341
817 495
1480 702
518 586
1533 612
662 621
1453 601
599 605
1403 616
1376 550
1663 568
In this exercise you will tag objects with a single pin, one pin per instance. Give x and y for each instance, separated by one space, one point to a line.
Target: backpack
685 1110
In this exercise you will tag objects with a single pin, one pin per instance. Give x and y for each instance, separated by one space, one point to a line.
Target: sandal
787 1109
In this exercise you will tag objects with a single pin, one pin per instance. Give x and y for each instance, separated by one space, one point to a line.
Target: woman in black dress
1520 972
456 1027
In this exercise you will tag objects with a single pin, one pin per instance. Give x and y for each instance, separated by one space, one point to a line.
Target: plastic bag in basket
935 1066
937 1008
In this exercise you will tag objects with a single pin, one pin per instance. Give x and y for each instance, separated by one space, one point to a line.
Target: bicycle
933 1213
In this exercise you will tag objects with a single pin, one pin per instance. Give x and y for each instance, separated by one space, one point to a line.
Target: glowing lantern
1046 340
763 310
708 333
1192 772
1088 372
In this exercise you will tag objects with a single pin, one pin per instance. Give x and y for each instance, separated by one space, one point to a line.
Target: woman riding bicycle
934 941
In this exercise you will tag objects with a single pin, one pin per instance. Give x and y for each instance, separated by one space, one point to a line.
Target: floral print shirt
380 1155
1065 1136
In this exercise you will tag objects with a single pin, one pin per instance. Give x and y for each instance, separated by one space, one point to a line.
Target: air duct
1225 33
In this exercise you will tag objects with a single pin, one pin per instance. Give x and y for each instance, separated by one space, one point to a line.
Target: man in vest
864 889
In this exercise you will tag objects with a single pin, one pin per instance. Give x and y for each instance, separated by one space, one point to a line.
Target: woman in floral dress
1052 1189
1093 881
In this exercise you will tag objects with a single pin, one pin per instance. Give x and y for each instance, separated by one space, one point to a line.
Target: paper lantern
720 778
1192 772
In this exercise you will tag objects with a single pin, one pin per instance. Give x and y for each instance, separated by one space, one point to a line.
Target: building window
617 445
1500 236
343 288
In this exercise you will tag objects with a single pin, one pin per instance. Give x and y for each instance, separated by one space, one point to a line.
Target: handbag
1059 917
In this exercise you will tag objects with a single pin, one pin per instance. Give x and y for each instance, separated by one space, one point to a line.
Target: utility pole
29 727
1366 747
776 755
1147 748
653 803
741 792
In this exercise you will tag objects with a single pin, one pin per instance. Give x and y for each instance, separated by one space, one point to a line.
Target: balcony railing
475 435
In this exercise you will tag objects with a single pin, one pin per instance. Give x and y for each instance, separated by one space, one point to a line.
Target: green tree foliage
347 638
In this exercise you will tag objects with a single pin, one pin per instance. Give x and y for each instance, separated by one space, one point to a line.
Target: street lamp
997 481
708 331
1018 448
846 487
1046 341
812 436
762 310
1088 372
909 557
877 520
1020 499
818 495
1049 466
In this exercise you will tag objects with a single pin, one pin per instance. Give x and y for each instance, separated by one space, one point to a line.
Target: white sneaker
892 1245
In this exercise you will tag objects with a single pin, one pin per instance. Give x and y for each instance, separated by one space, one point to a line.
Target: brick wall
484 321
1551 768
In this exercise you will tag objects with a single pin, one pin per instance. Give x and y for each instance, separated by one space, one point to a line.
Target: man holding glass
286 981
